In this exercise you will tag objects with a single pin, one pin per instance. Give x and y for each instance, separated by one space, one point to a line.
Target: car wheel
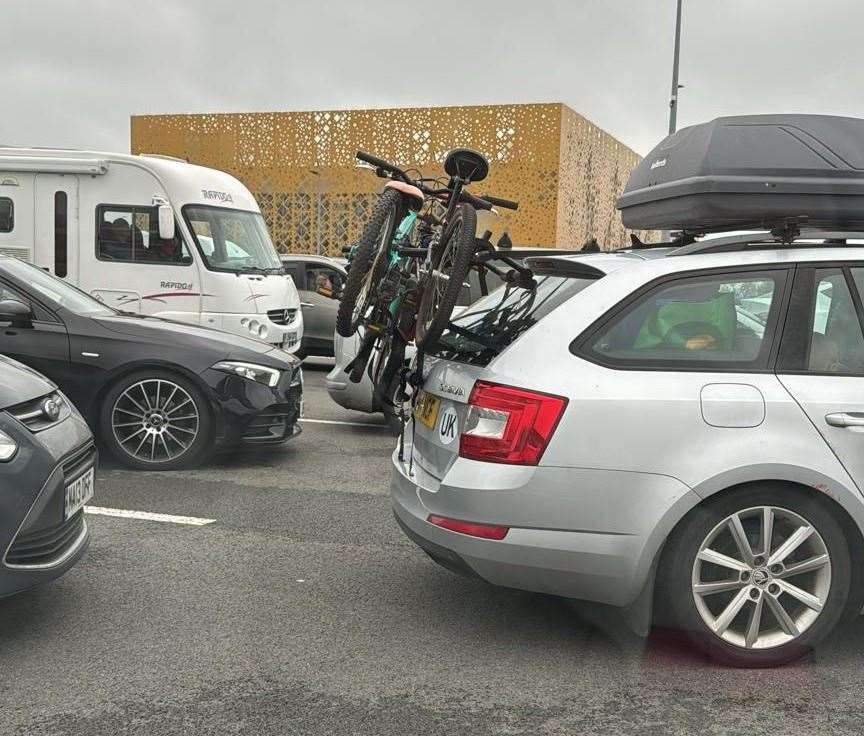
156 420
758 577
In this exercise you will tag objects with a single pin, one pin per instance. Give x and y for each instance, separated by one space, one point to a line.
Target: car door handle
845 419
307 305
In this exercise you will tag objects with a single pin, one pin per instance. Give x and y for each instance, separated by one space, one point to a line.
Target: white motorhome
149 234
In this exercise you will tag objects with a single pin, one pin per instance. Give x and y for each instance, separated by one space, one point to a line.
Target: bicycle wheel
443 285
386 370
357 367
368 262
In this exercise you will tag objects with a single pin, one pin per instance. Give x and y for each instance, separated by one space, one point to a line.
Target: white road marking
347 424
148 516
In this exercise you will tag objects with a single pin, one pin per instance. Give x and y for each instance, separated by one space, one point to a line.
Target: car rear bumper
576 555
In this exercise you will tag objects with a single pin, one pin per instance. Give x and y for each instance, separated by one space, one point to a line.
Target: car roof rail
773 239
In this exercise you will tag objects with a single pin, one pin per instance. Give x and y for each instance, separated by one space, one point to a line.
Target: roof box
751 172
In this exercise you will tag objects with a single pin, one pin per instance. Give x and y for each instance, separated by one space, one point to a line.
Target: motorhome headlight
8 447
250 371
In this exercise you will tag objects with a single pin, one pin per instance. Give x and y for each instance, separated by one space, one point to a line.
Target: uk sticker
448 428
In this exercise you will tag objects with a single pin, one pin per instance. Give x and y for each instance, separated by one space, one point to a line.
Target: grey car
319 281
629 434
47 459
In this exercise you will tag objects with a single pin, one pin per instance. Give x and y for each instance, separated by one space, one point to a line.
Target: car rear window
494 322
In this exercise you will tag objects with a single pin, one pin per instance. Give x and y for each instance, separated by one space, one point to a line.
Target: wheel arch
844 503
152 364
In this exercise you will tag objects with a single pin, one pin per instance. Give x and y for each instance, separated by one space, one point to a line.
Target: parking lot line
347 424
148 516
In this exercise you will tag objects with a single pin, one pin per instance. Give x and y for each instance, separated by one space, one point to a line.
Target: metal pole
673 100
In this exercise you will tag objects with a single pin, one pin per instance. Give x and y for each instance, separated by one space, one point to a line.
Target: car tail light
484 531
509 425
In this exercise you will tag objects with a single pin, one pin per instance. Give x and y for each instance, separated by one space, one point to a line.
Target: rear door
481 332
822 357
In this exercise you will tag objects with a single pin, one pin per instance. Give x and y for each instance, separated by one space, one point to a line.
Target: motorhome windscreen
495 321
232 240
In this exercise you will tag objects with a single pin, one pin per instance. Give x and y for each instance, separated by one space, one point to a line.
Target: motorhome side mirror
166 222
15 314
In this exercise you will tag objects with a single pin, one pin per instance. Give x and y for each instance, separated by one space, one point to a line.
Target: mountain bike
405 279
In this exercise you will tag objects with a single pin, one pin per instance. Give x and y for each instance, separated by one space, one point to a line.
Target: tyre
443 286
369 262
357 367
156 420
758 577
389 360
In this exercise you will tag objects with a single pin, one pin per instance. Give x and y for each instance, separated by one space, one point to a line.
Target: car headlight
8 447
250 371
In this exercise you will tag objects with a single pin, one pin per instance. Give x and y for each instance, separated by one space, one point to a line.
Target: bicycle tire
437 302
369 261
361 361
387 369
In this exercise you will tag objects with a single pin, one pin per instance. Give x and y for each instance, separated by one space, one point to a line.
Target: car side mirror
15 314
166 222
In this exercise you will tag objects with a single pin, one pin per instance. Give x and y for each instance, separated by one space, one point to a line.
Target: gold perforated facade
564 171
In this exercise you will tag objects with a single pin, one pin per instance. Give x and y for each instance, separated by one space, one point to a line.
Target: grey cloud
73 72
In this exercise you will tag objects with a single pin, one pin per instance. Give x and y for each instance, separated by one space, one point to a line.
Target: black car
47 456
159 394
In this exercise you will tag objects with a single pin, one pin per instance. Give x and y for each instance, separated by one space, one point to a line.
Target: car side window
131 233
825 330
711 321
323 280
40 314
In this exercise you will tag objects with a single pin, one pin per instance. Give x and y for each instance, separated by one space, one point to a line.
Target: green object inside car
663 327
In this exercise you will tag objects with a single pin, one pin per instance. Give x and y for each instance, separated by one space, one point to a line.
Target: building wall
564 171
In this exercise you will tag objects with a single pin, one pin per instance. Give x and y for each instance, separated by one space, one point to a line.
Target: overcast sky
74 71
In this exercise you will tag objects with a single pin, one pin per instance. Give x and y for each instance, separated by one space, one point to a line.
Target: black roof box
751 172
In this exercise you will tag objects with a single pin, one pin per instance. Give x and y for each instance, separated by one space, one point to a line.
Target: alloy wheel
761 577
155 420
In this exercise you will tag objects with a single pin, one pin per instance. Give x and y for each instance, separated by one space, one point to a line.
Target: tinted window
494 322
718 320
824 330
130 233
7 215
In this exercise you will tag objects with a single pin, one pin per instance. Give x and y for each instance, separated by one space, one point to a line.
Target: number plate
78 492
426 409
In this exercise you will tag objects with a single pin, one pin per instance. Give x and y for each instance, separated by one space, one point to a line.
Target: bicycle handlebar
380 163
506 204
476 202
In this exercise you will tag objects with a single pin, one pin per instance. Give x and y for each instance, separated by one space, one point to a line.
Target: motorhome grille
281 316
44 546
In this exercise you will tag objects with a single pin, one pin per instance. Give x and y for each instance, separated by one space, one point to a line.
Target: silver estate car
635 432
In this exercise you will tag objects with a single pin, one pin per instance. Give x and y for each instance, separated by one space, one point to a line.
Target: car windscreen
232 240
45 287
494 322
